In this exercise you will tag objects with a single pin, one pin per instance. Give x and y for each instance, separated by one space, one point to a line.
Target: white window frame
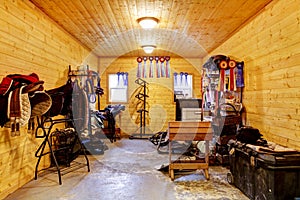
118 90
183 88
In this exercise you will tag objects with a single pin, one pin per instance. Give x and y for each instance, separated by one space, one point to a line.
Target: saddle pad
18 110
25 109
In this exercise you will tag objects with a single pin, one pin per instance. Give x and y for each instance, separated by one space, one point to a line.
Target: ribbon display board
146 68
231 69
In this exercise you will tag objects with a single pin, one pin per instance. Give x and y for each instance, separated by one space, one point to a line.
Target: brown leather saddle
70 100
22 98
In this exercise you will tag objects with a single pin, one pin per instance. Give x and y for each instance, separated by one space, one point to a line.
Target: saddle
71 101
22 98
61 98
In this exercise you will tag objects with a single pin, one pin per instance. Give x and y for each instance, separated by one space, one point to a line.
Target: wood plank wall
30 42
270 46
161 103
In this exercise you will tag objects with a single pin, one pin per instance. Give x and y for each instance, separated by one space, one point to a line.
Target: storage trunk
265 175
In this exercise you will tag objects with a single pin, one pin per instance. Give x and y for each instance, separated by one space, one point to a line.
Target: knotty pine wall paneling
31 42
270 46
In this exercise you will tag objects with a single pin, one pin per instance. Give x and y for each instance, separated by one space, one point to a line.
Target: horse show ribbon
118 73
157 67
151 67
175 79
125 78
181 75
163 72
186 78
145 67
168 68
139 69
222 66
232 79
240 75
122 75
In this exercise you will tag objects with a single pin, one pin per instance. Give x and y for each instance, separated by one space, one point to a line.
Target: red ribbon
139 60
144 74
232 84
162 60
157 67
222 65
168 69
151 67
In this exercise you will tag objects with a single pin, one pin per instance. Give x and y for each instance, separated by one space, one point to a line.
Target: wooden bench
189 131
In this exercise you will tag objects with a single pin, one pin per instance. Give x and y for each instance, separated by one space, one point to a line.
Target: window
118 84
183 85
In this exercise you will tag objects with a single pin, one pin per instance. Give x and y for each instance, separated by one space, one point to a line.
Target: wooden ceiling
188 28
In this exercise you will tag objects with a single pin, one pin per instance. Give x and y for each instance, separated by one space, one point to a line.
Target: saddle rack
49 143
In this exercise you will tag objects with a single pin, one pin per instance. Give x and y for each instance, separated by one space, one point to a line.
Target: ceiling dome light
147 22
148 48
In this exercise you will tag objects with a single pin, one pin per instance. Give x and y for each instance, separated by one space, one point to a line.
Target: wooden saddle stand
189 131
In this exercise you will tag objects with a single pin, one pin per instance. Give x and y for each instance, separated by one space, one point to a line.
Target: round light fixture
148 48
147 22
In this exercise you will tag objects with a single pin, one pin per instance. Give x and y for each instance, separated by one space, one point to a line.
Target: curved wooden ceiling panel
188 28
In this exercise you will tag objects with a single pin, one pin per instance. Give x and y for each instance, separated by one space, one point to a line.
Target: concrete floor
129 170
